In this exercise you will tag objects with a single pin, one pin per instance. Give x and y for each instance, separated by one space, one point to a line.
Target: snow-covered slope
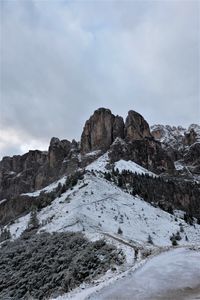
131 166
102 165
98 206
99 164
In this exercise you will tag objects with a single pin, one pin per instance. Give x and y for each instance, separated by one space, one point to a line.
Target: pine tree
33 222
119 231
150 241
5 234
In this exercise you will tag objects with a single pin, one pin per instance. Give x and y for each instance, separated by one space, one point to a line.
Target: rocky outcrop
118 128
103 128
58 150
180 143
147 153
18 173
190 137
33 170
136 128
100 131
192 158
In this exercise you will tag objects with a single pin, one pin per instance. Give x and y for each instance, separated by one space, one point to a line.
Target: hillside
118 196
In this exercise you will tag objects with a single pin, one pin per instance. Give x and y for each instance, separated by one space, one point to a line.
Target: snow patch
47 189
131 166
99 165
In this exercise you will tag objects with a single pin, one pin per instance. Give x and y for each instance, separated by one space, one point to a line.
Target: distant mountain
181 144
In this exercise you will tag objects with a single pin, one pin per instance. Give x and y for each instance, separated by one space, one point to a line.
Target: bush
119 231
5 234
33 222
150 241
174 242
47 264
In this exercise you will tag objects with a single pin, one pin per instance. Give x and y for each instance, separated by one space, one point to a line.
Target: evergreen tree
119 231
33 222
150 241
5 234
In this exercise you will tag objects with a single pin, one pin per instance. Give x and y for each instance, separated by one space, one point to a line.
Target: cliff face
100 131
180 144
103 128
36 169
33 170
136 127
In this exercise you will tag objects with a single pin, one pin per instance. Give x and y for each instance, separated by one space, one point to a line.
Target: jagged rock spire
100 130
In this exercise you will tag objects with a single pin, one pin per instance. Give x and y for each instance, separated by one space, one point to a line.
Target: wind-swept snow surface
171 275
131 166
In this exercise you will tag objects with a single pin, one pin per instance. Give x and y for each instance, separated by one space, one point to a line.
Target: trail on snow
173 275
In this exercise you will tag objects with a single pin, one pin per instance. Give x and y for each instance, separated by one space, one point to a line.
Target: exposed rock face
136 128
192 158
147 153
33 170
190 137
118 128
180 143
58 150
101 130
18 173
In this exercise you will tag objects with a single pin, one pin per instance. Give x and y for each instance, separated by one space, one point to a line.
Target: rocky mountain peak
136 127
58 150
103 128
100 130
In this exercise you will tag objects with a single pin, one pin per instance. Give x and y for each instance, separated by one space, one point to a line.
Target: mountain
181 144
133 186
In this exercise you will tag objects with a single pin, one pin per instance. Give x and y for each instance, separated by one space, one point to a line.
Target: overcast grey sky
60 60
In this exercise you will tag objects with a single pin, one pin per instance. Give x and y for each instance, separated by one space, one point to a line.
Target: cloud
60 60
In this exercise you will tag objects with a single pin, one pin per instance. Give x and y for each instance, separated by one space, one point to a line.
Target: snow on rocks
99 165
48 188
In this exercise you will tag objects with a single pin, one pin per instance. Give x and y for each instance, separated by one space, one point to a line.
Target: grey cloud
60 60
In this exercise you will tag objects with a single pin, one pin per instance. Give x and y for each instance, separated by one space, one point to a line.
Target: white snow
93 153
173 274
2 201
98 206
132 167
99 164
178 165
170 275
48 188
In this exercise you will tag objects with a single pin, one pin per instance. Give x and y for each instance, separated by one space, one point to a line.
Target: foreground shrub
41 265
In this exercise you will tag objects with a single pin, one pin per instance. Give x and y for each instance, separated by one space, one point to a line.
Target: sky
60 60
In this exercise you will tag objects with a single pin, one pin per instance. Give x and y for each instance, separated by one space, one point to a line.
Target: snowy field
171 275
